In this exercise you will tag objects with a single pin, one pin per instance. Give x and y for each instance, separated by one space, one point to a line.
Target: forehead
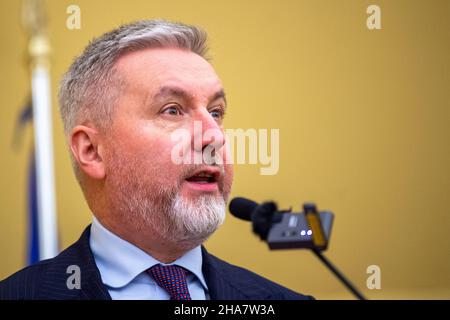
151 69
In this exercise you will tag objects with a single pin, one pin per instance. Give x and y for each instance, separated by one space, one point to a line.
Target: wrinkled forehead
152 69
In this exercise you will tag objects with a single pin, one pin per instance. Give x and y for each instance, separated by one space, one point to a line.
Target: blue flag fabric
33 254
33 231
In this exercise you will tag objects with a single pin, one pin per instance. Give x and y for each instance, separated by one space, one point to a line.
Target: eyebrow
169 91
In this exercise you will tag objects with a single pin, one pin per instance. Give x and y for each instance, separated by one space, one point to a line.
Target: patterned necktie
172 279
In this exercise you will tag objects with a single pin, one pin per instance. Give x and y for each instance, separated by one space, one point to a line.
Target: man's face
167 91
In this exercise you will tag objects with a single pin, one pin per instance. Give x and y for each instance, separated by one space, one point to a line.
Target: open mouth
204 180
203 177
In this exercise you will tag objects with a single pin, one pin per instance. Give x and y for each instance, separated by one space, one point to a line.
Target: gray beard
161 210
171 217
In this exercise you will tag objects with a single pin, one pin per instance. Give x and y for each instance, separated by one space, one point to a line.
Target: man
122 101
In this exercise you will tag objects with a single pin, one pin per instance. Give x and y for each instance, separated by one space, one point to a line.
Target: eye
172 110
217 113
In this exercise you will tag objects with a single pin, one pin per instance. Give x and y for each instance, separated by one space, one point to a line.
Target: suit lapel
54 282
218 286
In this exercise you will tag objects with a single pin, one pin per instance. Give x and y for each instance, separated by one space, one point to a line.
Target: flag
32 243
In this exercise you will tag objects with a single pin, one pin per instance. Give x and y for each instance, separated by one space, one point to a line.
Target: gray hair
89 89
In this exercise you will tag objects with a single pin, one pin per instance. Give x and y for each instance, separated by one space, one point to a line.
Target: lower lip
205 187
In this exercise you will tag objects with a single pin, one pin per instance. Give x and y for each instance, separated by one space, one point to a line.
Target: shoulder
251 284
35 281
24 284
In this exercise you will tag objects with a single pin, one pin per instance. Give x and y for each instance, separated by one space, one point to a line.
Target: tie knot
172 279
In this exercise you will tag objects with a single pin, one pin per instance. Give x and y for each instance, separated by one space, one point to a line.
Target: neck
160 249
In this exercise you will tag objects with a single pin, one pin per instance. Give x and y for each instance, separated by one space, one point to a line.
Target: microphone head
242 208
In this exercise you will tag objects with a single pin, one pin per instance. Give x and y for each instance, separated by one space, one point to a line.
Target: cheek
155 154
147 151
228 178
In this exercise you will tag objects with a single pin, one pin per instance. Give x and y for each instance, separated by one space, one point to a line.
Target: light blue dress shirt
123 268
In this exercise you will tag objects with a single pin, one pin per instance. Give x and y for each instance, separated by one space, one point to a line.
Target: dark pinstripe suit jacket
48 279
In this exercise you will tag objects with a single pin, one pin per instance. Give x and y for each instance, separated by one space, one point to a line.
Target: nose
207 131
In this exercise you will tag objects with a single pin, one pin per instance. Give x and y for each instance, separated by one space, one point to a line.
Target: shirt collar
120 262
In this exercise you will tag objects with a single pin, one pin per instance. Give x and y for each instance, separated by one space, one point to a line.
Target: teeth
204 174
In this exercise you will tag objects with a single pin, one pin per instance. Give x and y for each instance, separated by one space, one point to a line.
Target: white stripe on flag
48 242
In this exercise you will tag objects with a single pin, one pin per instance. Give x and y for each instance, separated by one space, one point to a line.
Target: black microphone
284 229
242 208
263 216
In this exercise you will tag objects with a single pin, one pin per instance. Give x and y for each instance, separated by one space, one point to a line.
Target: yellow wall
363 118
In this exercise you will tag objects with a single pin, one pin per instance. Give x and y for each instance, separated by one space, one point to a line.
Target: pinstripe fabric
47 280
228 282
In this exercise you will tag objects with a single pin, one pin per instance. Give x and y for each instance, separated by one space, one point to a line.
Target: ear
86 147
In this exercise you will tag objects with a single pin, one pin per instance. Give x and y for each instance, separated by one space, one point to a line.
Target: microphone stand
266 215
338 274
